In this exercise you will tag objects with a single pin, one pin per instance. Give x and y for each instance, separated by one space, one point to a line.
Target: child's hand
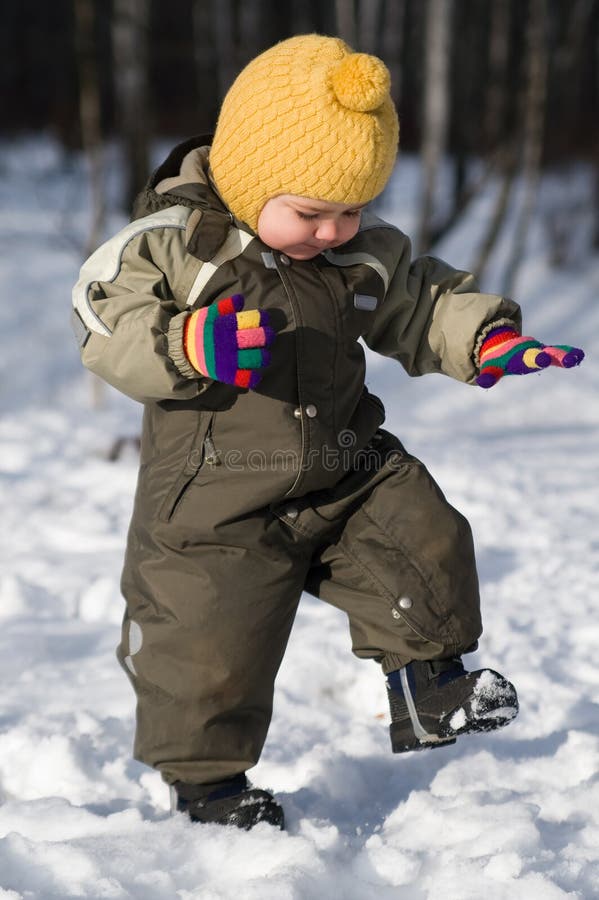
226 344
505 352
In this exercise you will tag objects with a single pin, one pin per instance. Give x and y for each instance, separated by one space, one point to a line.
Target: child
231 307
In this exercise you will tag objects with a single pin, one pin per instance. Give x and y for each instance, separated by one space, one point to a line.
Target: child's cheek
350 230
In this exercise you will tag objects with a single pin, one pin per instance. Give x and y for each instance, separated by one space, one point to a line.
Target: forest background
497 90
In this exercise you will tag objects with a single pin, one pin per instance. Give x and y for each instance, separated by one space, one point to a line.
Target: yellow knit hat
308 117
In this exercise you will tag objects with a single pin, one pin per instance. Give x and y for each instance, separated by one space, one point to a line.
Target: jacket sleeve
433 316
129 314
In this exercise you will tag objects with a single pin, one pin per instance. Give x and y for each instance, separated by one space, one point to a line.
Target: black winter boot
432 702
229 802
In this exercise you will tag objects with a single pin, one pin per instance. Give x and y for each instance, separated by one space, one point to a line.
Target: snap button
285 259
269 260
292 512
311 410
405 602
395 614
365 301
297 412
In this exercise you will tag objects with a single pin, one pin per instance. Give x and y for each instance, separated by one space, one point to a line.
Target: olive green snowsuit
247 498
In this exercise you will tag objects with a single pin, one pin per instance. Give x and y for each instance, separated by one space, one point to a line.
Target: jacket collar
184 179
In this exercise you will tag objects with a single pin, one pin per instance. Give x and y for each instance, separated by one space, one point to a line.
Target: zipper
295 315
211 454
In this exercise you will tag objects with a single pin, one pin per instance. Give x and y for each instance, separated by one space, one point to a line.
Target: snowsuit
247 498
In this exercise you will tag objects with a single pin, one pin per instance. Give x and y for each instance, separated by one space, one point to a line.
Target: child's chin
303 254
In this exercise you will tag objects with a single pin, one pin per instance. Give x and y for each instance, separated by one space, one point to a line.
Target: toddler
232 308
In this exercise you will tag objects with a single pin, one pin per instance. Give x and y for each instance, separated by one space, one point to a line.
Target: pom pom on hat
361 82
307 117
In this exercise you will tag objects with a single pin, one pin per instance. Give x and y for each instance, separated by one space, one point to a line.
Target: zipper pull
211 454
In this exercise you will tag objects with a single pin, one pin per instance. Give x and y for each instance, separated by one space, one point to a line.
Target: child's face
303 228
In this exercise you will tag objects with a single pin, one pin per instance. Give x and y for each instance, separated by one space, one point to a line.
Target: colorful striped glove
226 344
505 352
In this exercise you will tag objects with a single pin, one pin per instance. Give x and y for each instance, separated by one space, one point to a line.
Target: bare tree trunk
91 138
369 28
499 51
534 125
596 228
249 29
224 34
436 108
205 64
301 16
570 50
503 154
90 117
130 26
346 21
392 43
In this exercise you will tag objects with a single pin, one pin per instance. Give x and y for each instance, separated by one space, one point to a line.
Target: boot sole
403 738
479 713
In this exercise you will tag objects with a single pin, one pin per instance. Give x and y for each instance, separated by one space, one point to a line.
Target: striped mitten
505 352
226 344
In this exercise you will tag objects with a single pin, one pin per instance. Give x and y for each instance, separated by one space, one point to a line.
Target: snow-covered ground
501 817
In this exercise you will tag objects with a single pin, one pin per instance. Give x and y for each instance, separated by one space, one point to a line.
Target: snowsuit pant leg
402 563
210 606
208 617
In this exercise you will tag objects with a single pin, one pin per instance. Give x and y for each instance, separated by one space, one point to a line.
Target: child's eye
350 214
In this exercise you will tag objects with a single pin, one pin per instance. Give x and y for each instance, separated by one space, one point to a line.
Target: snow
513 814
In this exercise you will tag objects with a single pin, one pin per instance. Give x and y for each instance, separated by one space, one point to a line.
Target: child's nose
327 230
